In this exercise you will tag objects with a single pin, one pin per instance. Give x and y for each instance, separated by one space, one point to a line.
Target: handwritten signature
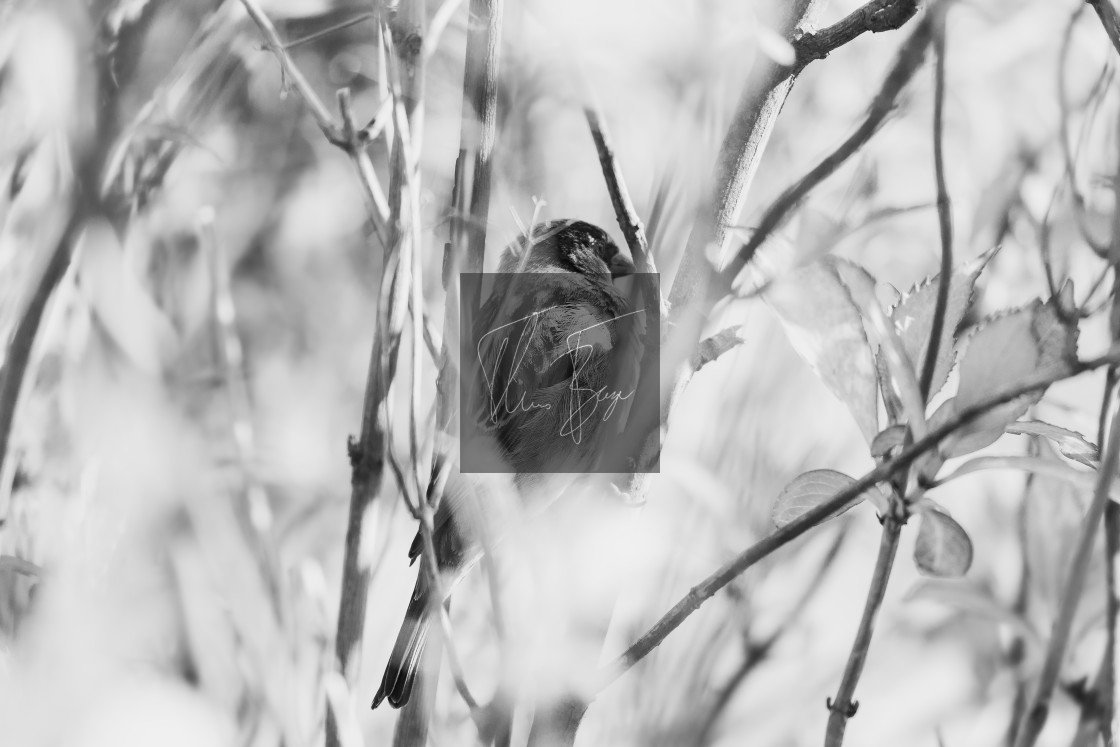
584 402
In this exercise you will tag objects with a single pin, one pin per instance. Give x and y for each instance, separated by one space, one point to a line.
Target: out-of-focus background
143 455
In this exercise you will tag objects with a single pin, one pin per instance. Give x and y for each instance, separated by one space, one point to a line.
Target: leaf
943 548
913 318
1003 354
121 302
974 435
824 325
887 440
1050 467
807 491
1071 444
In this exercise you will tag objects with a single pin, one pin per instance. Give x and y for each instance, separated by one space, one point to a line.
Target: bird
546 348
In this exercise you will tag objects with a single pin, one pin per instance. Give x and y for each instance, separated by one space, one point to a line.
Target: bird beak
621 267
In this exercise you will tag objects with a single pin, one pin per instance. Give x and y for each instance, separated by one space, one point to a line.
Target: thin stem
292 72
1110 19
843 707
1039 708
944 211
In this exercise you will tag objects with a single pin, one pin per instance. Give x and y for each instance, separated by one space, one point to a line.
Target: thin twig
765 93
880 15
909 58
292 72
343 136
843 707
1110 19
1039 708
706 589
756 651
944 210
624 211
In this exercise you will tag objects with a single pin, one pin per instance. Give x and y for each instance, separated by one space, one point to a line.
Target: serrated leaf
943 548
1011 350
807 491
913 318
1071 444
826 329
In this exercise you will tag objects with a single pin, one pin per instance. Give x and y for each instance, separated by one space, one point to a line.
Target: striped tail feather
404 662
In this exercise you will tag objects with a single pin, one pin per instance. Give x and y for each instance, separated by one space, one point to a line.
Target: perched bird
538 392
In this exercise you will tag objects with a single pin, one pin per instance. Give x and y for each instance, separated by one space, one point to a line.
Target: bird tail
405 661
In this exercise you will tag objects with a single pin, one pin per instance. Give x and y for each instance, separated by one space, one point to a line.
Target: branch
876 16
480 88
909 58
345 136
944 208
1039 709
1110 19
843 707
767 88
624 211
850 496
713 347
292 72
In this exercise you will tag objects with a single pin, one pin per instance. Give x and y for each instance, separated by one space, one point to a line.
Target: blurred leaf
12 564
340 701
913 317
1050 467
807 491
826 328
774 46
122 304
1071 444
943 548
971 599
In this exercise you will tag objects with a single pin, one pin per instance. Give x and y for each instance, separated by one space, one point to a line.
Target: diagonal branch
1110 19
880 15
850 496
767 88
909 59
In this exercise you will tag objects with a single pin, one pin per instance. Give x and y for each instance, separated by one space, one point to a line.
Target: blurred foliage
167 611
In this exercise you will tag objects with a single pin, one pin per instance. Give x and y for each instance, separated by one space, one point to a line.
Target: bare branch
705 590
876 16
764 95
1110 19
1039 708
909 58
294 74
713 347
843 707
624 211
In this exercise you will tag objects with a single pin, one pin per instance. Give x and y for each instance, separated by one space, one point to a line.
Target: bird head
567 246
